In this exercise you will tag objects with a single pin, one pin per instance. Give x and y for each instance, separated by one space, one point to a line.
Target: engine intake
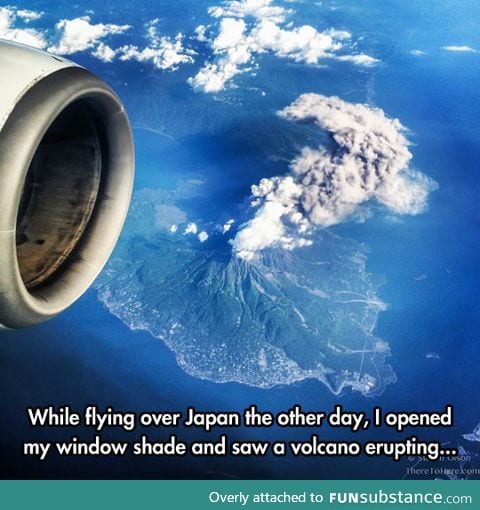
66 176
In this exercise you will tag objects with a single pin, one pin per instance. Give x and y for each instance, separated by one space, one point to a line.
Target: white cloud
163 52
28 15
70 36
417 53
104 53
231 34
227 226
234 50
191 228
201 33
213 77
251 27
79 34
360 59
459 48
29 36
260 9
302 44
370 164
203 236
244 30
168 55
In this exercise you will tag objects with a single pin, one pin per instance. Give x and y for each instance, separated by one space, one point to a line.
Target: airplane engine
66 176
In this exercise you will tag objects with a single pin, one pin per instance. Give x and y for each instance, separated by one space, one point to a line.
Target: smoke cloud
370 164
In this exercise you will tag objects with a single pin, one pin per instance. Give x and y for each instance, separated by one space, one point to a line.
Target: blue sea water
206 151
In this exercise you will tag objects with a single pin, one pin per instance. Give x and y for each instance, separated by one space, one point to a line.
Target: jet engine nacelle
66 175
